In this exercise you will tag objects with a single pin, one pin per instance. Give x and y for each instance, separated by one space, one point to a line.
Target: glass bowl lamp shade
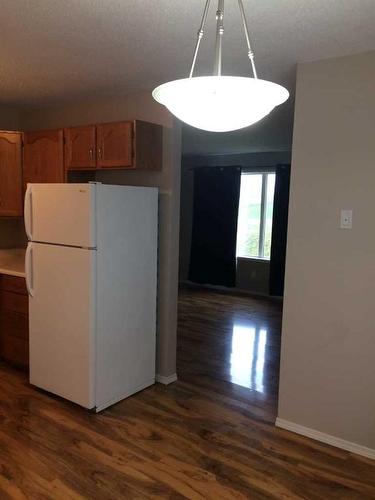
220 103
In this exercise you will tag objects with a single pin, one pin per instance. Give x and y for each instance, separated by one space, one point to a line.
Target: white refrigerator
91 274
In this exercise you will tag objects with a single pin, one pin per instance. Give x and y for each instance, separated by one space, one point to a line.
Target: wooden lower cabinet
14 321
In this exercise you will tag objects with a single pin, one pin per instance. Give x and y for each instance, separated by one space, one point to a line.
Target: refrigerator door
62 214
61 284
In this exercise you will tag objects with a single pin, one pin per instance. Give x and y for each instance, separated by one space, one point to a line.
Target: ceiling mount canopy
220 103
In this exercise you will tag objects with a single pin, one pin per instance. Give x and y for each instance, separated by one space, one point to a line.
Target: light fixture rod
199 38
250 53
219 37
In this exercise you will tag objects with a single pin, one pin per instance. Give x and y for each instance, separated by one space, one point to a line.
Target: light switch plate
346 219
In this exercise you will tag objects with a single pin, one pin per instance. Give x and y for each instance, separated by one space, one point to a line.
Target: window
254 229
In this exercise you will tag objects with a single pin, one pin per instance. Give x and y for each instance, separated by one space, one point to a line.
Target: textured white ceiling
53 51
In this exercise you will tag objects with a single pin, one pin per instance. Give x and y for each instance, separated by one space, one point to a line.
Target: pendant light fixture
220 103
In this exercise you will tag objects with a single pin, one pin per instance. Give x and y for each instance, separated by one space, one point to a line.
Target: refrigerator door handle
28 212
29 269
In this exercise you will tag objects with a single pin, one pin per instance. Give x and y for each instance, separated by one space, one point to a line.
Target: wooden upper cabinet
43 156
80 148
10 174
115 145
148 145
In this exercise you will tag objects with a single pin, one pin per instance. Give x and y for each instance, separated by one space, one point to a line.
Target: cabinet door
43 157
115 145
148 143
80 148
10 174
14 322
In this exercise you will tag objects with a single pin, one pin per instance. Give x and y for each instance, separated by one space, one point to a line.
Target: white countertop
12 261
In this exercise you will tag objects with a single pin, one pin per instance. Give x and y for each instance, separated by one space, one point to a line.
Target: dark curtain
279 230
213 246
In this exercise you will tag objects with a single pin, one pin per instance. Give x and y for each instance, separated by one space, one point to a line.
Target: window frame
263 209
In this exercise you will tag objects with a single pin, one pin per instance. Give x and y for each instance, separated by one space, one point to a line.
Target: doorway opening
232 264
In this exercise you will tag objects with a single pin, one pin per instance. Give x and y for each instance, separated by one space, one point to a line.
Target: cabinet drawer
14 350
14 324
14 284
10 301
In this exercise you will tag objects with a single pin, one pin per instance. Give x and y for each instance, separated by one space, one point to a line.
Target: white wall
252 275
327 377
140 106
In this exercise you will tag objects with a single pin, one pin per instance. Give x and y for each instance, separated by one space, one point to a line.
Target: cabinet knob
91 153
100 152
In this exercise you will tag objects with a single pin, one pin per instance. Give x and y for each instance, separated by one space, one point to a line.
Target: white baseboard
166 380
326 438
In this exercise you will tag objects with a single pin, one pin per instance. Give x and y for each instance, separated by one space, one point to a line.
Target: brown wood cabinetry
49 156
80 148
148 145
14 321
10 174
119 145
115 145
43 157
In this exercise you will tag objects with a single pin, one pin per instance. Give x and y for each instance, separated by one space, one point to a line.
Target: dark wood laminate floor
203 437
229 338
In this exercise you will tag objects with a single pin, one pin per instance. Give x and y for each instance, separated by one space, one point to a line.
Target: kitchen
24 406
99 104
121 150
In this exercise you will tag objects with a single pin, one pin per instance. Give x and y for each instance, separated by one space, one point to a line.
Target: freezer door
62 214
61 284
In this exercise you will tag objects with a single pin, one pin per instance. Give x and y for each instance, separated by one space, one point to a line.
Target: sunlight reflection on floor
248 355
